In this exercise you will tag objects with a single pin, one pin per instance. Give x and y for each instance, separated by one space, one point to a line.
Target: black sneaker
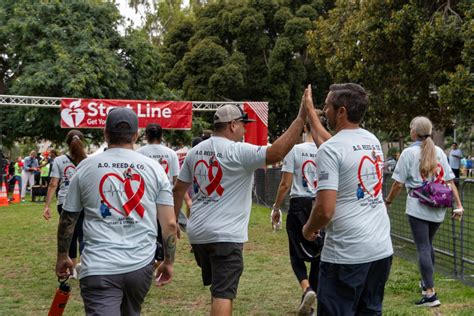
429 301
307 301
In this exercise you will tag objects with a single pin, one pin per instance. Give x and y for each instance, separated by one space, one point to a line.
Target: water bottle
60 299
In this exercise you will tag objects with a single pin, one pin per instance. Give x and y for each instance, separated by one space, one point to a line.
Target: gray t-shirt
63 169
221 172
167 158
118 190
408 171
301 162
351 163
455 158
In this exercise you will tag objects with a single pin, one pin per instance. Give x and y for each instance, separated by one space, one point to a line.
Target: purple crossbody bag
434 194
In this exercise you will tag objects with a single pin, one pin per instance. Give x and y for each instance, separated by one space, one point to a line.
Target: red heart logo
124 186
69 171
207 179
308 170
370 175
74 115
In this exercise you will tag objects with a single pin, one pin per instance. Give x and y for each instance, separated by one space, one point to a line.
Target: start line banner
91 113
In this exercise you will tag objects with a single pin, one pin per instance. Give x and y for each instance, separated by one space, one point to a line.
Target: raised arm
319 133
285 142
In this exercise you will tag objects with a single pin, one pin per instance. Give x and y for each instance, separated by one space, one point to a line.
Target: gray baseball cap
231 112
121 115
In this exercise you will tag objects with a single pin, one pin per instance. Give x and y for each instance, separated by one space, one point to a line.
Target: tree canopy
70 49
244 50
413 57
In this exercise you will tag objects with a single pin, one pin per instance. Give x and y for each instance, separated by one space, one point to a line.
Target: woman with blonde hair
64 167
423 161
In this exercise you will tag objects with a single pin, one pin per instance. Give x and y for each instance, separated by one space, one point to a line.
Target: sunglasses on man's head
244 117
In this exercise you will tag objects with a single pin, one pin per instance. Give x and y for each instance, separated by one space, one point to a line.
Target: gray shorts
117 294
221 265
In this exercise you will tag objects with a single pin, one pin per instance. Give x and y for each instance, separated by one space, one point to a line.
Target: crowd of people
32 170
120 209
460 164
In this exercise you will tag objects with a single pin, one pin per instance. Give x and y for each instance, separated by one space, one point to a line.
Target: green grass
267 286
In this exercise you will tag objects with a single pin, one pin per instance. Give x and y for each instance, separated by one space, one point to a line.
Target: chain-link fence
454 241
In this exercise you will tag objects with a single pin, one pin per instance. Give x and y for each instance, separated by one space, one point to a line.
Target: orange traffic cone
16 194
3 196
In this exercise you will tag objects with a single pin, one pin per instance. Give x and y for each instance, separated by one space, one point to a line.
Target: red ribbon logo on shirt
370 175
214 184
309 168
134 196
164 163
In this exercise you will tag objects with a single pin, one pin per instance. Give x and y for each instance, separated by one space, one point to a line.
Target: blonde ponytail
423 128
428 163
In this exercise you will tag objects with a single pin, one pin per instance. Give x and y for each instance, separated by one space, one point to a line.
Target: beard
325 122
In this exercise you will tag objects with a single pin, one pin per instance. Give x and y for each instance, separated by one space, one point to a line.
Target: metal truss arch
51 102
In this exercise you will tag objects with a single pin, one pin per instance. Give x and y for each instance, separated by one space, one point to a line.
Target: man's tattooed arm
67 223
169 248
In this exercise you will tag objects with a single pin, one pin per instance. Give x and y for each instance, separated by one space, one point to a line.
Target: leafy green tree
70 49
411 57
245 50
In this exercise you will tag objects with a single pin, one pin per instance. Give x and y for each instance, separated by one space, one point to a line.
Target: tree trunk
438 137
401 144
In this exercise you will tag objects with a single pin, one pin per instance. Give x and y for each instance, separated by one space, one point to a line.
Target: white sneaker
74 274
78 269
307 302
75 271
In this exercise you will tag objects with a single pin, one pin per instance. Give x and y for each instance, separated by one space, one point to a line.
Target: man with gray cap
221 172
122 194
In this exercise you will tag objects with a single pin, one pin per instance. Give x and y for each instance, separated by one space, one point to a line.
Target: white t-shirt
455 158
167 158
301 162
408 171
118 190
351 162
222 175
63 169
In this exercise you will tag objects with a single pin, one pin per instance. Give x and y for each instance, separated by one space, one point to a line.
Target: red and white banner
257 133
91 113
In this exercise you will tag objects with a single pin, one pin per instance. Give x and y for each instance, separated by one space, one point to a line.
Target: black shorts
221 267
298 214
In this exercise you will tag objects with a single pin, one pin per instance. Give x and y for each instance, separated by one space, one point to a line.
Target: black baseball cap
121 115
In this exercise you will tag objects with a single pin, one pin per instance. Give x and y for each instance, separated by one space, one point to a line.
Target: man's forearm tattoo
67 223
169 247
